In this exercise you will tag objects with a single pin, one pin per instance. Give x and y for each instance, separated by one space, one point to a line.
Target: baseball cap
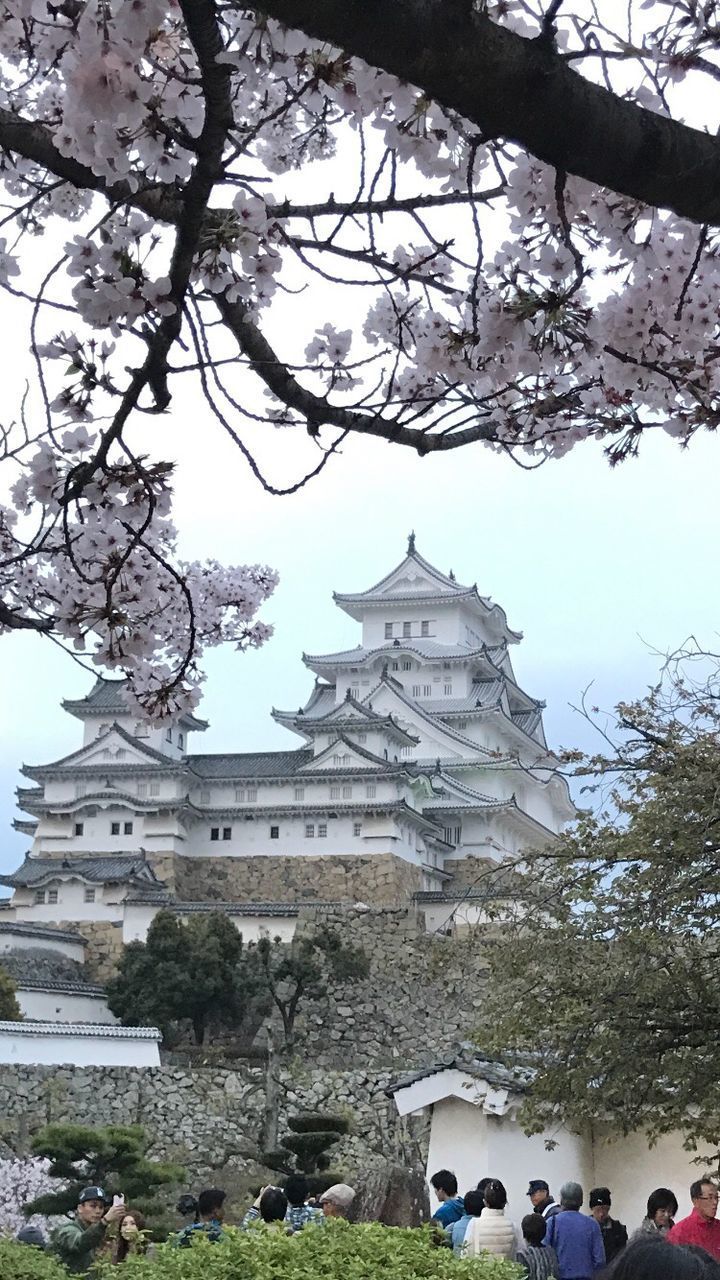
340 1194
536 1184
92 1193
31 1235
600 1195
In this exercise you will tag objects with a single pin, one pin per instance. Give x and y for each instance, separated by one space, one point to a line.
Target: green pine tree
114 1158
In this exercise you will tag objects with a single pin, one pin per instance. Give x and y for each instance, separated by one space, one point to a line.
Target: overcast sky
593 565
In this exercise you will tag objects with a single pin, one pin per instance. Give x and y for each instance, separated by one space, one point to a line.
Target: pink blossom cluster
448 282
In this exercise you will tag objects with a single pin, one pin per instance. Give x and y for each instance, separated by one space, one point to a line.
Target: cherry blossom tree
506 209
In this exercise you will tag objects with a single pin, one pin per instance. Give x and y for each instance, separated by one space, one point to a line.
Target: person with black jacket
614 1234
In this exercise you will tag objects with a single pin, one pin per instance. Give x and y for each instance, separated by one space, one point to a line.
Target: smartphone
118 1200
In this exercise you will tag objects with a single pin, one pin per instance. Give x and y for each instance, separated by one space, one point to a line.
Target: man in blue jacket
577 1240
444 1184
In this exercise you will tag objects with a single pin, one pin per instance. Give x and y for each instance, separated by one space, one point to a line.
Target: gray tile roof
250 764
105 1030
62 988
235 908
23 928
107 697
99 870
467 1058
414 644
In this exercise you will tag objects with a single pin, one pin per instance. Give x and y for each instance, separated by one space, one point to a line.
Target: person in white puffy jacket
492 1232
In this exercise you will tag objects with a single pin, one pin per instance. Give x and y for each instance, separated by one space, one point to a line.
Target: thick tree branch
524 91
317 410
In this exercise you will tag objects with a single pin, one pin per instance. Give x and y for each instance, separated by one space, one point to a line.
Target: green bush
310 1122
335 1251
23 1262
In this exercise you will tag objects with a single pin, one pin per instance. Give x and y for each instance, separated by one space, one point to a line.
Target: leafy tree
9 1007
301 970
524 255
608 986
183 973
114 1158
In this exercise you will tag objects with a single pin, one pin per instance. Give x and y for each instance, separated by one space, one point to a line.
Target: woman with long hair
132 1239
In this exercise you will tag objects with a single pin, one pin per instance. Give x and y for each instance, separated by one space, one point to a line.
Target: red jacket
697 1230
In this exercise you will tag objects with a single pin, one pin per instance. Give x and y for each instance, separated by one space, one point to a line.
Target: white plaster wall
253 837
56 1006
60 1049
71 904
474 1145
24 942
632 1169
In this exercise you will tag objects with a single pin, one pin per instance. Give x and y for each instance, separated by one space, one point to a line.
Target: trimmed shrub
23 1262
336 1250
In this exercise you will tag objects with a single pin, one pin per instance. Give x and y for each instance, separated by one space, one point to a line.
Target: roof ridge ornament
411 544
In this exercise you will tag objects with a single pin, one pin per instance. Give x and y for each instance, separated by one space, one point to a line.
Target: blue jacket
456 1233
450 1211
577 1240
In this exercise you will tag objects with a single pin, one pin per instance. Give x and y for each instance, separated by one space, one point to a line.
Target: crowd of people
558 1240
108 1228
555 1241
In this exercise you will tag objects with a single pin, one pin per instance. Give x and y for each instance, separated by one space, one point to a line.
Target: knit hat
600 1195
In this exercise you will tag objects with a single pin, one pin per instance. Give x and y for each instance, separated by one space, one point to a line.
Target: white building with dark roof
418 745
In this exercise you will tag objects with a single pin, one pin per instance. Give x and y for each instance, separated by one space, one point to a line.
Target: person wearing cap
76 1241
614 1234
32 1236
336 1201
540 1198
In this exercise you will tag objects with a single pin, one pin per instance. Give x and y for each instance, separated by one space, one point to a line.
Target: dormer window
52 896
89 895
39 897
388 630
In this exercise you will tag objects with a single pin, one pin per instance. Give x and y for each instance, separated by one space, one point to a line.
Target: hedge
333 1251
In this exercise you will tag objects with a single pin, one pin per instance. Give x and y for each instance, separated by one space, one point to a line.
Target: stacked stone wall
206 1119
104 946
380 879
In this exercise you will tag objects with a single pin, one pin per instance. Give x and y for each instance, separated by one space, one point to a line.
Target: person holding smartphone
77 1241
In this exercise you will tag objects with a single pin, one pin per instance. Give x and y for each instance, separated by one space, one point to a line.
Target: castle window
252 793
127 828
80 789
181 741
396 666
355 690
309 830
39 897
362 737
357 828
142 789
371 790
79 828
120 754
154 788
274 833
204 796
416 691
227 833
427 690
322 830
407 628
299 793
214 833
114 828
334 793
168 735
407 666
462 724
405 751
388 630
52 896
89 895
447 666
424 628
447 689
347 793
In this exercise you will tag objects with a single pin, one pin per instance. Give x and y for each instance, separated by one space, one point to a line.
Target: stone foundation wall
421 995
208 1119
104 946
380 879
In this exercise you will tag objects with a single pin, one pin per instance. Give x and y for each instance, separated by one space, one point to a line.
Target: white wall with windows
69 899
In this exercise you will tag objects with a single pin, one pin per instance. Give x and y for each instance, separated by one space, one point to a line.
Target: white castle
418 747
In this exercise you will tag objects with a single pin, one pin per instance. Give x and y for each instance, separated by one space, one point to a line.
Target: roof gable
103 752
351 755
